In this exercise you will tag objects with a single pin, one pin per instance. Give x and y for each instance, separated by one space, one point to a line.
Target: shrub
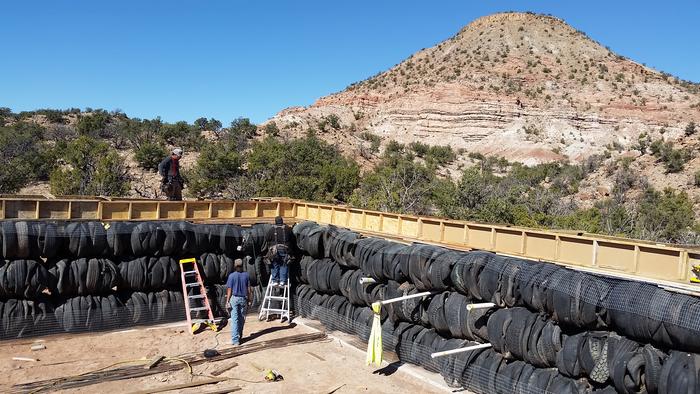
690 129
697 179
419 148
404 186
374 140
241 130
93 124
25 156
306 168
217 165
149 155
665 215
441 155
673 159
272 130
334 121
93 169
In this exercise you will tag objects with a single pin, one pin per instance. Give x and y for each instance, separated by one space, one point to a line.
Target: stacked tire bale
84 275
552 329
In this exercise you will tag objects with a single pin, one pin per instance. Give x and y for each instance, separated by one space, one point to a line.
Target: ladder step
192 285
274 310
277 298
189 272
203 308
196 296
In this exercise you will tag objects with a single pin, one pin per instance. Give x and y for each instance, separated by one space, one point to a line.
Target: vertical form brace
131 210
381 222
210 211
683 262
466 234
594 255
637 253
37 213
442 231
523 243
420 228
557 247
492 242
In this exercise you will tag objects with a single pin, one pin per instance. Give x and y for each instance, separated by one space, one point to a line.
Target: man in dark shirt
278 239
171 181
238 297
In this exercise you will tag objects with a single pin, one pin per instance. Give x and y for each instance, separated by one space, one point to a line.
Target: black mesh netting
87 275
552 329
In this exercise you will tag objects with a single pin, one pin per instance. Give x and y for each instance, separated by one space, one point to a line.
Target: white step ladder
266 308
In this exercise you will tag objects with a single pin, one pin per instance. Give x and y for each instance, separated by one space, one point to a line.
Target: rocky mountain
526 87
523 86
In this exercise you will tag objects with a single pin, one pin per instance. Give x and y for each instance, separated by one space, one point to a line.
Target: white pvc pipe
481 305
367 280
398 299
460 350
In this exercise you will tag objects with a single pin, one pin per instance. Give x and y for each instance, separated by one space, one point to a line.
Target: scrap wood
180 386
24 359
219 371
336 389
167 365
224 390
316 356
154 362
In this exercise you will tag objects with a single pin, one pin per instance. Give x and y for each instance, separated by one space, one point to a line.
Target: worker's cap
278 220
238 263
177 151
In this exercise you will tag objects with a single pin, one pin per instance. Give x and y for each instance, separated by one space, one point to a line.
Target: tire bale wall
87 276
552 329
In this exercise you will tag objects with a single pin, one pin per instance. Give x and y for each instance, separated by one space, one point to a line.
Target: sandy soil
319 367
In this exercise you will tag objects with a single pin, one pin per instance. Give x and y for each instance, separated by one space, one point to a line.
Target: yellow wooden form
669 265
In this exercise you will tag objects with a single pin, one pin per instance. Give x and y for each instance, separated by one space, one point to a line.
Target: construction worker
278 239
171 182
239 296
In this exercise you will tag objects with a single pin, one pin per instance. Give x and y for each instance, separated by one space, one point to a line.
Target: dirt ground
319 367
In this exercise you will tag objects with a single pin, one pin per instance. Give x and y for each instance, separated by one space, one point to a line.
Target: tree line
243 160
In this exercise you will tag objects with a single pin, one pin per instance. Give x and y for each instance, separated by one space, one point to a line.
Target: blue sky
184 59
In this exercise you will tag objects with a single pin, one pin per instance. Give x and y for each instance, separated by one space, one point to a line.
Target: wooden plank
221 370
169 387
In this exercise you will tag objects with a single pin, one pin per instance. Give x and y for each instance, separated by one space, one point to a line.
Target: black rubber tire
119 238
9 240
26 279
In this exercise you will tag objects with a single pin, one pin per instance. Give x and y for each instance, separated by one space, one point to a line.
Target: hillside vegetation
95 152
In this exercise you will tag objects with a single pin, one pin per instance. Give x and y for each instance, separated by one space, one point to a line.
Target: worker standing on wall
171 182
278 239
239 296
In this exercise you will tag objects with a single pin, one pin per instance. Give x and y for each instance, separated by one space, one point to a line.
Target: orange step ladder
193 290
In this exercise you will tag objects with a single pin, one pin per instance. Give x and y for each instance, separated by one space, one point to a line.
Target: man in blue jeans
238 297
278 239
